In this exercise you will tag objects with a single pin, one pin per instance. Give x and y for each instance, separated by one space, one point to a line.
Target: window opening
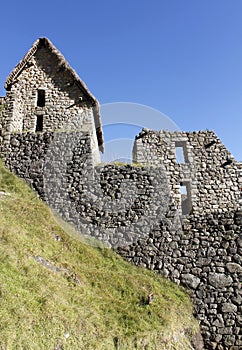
39 123
183 190
180 155
181 152
41 98
186 203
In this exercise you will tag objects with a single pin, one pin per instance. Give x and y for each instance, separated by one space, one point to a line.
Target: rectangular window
39 123
181 152
41 98
186 202
183 189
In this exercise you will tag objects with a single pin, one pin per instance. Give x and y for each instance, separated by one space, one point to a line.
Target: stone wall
137 211
205 257
26 155
116 205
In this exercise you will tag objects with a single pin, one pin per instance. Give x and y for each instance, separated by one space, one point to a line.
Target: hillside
59 293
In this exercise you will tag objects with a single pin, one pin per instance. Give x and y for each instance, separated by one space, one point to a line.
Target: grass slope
91 300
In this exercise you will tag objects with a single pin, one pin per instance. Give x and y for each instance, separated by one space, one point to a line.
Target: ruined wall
205 254
212 175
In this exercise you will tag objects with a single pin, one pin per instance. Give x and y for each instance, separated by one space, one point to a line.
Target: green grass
95 301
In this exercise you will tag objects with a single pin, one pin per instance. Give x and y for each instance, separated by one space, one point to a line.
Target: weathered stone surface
190 280
234 268
220 280
229 307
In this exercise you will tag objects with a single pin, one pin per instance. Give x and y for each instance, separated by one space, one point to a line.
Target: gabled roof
44 42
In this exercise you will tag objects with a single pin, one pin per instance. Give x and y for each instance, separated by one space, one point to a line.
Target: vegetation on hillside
59 293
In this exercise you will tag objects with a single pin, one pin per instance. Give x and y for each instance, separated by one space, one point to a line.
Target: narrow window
183 189
180 155
186 203
39 123
41 98
181 152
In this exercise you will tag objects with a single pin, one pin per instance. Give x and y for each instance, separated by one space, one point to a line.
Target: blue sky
181 57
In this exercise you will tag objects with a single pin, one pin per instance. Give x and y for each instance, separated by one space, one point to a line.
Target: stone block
190 280
229 307
219 280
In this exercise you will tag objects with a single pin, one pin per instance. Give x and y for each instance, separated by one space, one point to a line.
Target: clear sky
181 57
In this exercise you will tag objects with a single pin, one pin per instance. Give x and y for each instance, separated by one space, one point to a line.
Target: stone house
45 94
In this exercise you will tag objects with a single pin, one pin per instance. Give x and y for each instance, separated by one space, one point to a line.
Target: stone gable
44 94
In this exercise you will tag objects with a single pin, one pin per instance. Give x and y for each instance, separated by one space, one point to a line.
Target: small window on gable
186 202
181 152
39 123
41 98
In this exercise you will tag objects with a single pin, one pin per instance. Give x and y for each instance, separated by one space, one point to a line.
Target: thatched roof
44 42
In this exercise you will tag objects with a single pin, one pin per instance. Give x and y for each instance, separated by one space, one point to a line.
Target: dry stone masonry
177 210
